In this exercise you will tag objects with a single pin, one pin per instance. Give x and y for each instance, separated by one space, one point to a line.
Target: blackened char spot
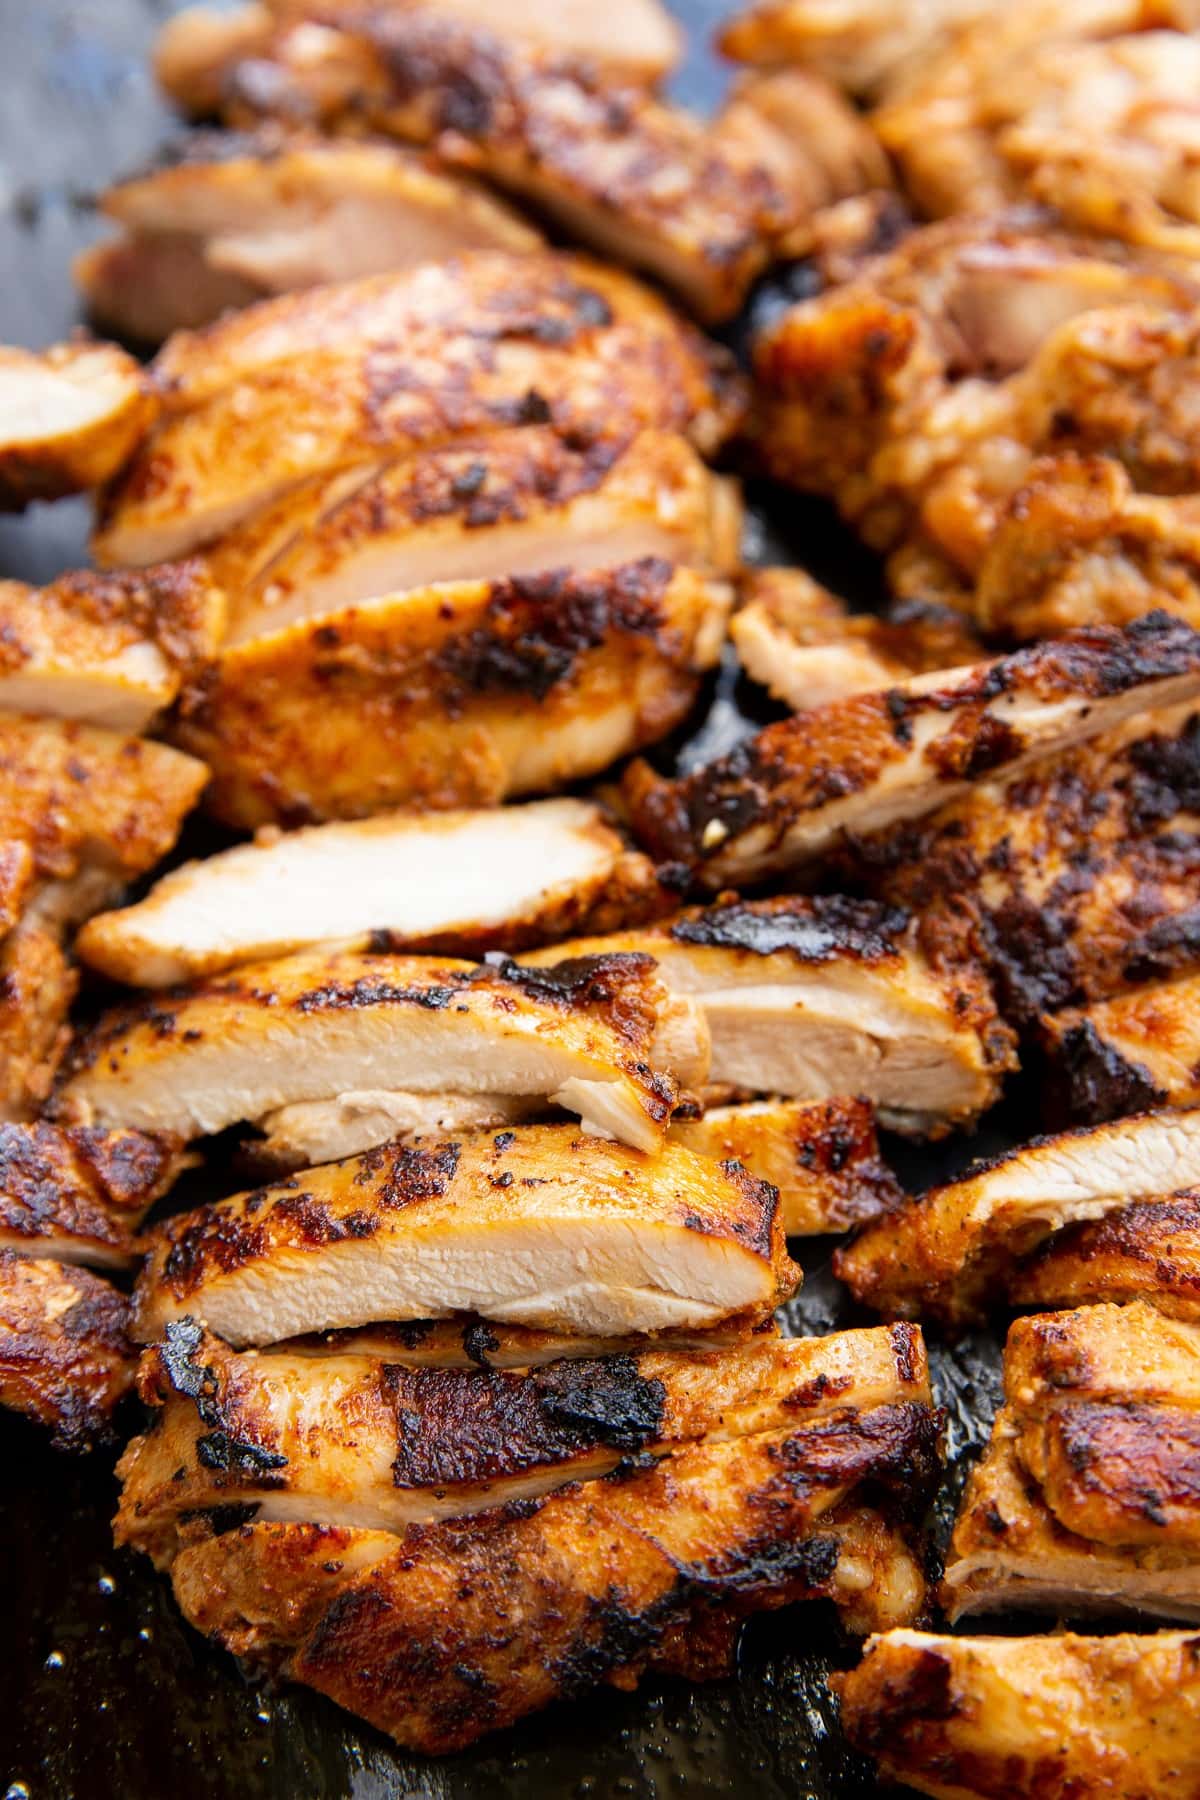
814 930
373 990
1092 1081
239 1457
402 1174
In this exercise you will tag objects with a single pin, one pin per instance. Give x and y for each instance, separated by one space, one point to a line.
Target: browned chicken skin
65 1357
71 417
79 1195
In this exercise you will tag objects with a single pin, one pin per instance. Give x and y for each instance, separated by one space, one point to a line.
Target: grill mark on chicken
65 1355
79 1195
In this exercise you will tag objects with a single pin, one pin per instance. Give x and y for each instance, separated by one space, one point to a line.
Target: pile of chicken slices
413 523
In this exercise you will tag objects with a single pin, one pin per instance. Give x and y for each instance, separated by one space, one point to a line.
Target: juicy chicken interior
297 386
980 1718
1086 1497
460 883
816 997
70 417
534 1226
65 1355
78 1195
952 1252
586 1035
355 1441
855 766
229 219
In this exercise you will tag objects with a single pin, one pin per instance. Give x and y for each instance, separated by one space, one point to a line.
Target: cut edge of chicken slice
65 1356
78 1196
455 883
860 765
72 416
358 1441
311 1132
534 1225
952 1251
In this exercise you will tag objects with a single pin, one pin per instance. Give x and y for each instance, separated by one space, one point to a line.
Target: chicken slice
1086 1497
457 883
606 1579
856 766
1149 1250
79 1195
534 1226
65 1358
37 987
314 382
862 45
108 650
229 219
802 644
982 1718
822 1157
309 1132
72 416
355 1440
950 1253
823 996
1139 1050
309 1027
456 695
472 1343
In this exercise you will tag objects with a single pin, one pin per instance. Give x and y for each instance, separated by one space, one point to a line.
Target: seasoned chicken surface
65 1358
821 1156
70 417
108 650
1061 1716
533 1226
950 1253
354 1440
817 997
1148 1250
456 695
226 220
37 986
860 44
800 788
312 383
460 883
1086 1497
800 641
585 1035
79 1195
469 1342
606 1579
1139 1050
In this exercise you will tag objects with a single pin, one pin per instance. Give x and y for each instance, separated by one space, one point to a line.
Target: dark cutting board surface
108 1694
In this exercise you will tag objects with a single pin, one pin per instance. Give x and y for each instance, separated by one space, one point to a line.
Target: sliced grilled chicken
816 997
1139 1050
863 45
606 1579
78 1195
822 1157
312 383
227 220
799 640
65 1358
309 1027
535 1226
355 1440
459 883
979 1718
950 1253
309 1132
859 765
106 650
71 417
1148 1250
37 986
460 694
1086 1498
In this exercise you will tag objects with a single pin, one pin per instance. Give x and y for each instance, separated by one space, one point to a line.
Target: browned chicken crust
72 416
37 986
1148 1250
65 1358
79 1195
1058 1716
1138 1050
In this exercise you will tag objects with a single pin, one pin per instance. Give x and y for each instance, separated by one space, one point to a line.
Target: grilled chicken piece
356 1441
457 695
324 1131
536 1226
1148 1250
1086 1498
516 503
856 766
799 640
1078 878
822 1157
862 45
106 650
472 1343
309 1027
65 1358
984 1718
37 986
605 1579
816 997
79 1196
459 883
950 1253
229 219
312 383
72 416
1137 1051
